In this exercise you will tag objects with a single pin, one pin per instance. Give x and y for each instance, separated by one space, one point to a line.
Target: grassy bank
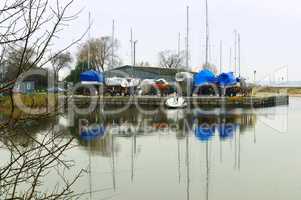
273 90
36 103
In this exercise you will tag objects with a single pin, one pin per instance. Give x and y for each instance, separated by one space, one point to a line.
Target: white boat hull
176 102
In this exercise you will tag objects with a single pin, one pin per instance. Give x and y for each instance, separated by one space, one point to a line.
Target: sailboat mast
207 34
239 67
89 38
230 59
179 44
187 39
113 44
221 56
235 52
131 41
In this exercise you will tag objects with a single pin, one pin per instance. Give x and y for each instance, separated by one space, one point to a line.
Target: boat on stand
176 103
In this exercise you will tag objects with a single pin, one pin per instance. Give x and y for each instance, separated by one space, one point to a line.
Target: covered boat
227 79
91 77
176 102
204 83
185 82
116 81
204 77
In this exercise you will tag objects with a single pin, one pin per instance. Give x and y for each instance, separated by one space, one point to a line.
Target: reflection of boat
176 102
204 132
175 114
92 133
161 84
226 131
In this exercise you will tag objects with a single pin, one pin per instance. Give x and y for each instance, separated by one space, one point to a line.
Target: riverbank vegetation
33 106
273 90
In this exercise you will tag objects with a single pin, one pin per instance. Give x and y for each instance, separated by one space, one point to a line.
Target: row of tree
18 55
94 54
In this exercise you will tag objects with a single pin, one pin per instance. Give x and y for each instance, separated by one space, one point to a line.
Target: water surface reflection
141 151
174 154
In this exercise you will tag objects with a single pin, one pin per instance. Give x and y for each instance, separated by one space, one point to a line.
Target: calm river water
176 154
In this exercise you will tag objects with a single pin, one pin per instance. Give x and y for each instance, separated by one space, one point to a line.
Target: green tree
75 73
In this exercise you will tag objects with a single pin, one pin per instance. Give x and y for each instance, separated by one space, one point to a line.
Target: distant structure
33 83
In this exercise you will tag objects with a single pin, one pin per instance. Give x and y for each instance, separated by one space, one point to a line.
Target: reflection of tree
243 120
101 146
31 161
19 138
247 122
127 123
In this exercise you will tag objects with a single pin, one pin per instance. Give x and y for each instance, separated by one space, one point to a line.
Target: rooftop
145 72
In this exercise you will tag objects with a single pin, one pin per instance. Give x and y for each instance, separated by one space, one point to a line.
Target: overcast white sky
270 30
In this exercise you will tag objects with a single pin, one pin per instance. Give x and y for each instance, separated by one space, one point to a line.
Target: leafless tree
32 24
31 27
170 59
98 51
24 175
59 62
12 60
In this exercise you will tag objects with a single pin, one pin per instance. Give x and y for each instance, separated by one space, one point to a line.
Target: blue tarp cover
226 79
204 77
91 76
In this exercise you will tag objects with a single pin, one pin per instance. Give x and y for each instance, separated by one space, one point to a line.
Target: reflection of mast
133 156
254 134
179 161
222 124
187 166
113 164
90 171
207 171
221 150
235 149
238 149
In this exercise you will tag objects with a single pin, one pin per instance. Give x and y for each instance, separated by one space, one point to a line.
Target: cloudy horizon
268 30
